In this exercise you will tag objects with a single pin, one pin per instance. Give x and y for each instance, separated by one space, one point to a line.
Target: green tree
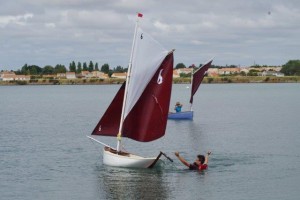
91 66
18 72
255 66
96 67
25 70
84 68
253 72
291 68
180 65
48 69
60 69
79 68
118 69
105 68
72 67
31 70
210 80
183 75
110 72
214 66
243 73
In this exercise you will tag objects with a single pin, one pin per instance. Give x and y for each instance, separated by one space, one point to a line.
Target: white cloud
50 25
161 26
237 31
18 19
197 42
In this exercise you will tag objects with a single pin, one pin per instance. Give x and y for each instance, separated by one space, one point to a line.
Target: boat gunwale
125 154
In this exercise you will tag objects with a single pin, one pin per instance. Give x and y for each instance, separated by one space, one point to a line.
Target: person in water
178 107
201 163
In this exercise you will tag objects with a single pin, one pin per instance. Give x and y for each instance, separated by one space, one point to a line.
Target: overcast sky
239 32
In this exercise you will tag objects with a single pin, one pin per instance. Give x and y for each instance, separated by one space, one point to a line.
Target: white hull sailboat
196 79
139 110
112 158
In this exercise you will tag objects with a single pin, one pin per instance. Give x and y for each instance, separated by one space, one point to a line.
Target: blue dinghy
197 78
181 115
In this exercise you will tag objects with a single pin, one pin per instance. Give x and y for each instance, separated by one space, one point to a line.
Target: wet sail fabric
147 56
110 121
148 118
198 77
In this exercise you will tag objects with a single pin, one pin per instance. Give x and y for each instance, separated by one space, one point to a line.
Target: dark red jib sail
110 121
148 118
197 79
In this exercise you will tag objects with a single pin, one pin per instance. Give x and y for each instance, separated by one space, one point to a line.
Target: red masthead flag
140 15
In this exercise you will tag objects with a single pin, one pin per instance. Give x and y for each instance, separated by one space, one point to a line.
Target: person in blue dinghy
178 107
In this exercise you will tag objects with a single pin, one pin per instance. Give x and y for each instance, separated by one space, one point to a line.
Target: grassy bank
244 79
64 82
225 79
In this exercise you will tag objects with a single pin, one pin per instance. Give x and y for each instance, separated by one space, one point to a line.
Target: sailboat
139 110
196 79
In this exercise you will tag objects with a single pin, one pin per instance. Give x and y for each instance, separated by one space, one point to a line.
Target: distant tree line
36 70
73 67
291 68
181 65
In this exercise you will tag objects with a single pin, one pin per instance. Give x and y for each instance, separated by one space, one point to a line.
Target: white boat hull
128 160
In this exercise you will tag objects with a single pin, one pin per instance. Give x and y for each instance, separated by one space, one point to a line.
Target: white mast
126 87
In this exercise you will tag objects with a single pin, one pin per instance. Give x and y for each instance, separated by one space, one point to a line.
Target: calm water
253 131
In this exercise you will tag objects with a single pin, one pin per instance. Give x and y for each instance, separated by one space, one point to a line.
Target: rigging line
161 111
123 147
94 145
99 142
160 108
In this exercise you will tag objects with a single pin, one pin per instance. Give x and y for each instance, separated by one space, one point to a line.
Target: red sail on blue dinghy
197 78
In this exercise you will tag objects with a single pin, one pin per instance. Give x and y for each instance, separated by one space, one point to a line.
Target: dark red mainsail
148 118
197 79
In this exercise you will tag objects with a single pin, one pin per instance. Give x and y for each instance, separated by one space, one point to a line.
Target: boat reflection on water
129 183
